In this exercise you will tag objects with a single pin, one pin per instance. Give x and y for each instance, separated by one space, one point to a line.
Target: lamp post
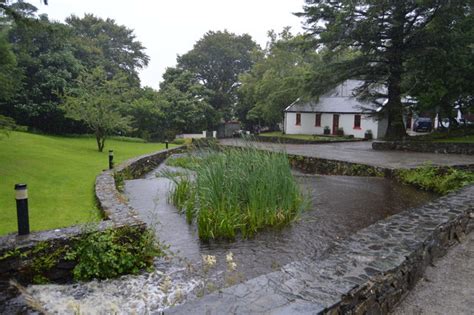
111 159
21 196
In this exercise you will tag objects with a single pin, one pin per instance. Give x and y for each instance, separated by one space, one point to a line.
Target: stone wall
299 141
423 146
368 273
316 165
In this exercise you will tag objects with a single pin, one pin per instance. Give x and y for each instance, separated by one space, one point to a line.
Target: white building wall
346 121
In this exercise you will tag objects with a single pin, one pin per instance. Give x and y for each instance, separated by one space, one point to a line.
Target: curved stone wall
368 273
110 200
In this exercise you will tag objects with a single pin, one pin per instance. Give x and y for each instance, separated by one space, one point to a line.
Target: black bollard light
166 143
111 159
21 196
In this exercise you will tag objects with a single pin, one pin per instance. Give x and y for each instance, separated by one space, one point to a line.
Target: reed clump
236 191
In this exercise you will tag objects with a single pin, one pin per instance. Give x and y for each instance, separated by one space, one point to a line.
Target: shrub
113 252
237 190
181 141
434 179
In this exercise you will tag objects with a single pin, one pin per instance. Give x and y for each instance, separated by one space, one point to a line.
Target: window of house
298 119
356 121
317 120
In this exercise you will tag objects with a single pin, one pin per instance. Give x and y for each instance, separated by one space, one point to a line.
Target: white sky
170 28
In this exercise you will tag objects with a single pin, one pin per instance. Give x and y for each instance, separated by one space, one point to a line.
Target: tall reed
237 190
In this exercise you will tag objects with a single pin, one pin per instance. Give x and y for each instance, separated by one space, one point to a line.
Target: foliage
104 43
60 173
185 104
237 190
95 102
216 61
384 35
276 79
441 181
441 77
6 125
46 66
113 252
43 59
8 68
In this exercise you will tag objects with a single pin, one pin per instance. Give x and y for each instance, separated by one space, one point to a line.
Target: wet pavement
447 286
362 152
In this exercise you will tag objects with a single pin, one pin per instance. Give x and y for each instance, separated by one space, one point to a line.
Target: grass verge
279 134
60 173
441 181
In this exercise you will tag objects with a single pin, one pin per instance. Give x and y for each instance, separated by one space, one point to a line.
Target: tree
276 80
216 61
9 73
104 43
447 62
47 67
96 102
185 105
147 113
385 33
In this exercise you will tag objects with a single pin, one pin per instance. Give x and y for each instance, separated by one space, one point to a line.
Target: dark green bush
113 252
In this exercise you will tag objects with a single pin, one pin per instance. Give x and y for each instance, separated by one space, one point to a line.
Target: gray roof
338 100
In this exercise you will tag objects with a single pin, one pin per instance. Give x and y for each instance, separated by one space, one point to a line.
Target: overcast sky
169 28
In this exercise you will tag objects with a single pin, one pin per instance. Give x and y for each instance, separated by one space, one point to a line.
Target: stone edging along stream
117 214
425 146
368 273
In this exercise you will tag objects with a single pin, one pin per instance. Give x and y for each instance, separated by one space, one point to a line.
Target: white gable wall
346 121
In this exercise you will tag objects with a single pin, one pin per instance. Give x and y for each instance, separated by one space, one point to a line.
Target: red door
335 124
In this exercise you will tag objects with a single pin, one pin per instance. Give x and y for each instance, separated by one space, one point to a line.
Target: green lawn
465 139
303 137
60 173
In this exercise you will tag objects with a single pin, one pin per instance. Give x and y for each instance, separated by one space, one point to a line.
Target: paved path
447 288
361 152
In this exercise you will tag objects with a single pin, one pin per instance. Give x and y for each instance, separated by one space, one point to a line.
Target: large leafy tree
276 79
104 43
186 104
148 116
96 101
45 58
442 76
386 33
216 61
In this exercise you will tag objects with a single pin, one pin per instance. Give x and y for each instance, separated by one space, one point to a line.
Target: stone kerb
368 273
425 146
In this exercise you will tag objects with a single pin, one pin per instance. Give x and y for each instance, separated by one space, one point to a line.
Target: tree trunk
396 128
100 139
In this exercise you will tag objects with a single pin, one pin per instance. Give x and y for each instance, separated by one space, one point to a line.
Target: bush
237 190
441 181
113 252
182 141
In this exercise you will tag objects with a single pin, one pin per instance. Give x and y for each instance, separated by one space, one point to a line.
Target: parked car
423 124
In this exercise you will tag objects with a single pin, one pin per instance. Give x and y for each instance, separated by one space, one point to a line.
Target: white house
336 109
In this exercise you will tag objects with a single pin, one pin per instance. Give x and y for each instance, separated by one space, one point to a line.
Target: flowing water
339 207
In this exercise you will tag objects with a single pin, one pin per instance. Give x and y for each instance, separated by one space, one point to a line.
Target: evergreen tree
385 33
